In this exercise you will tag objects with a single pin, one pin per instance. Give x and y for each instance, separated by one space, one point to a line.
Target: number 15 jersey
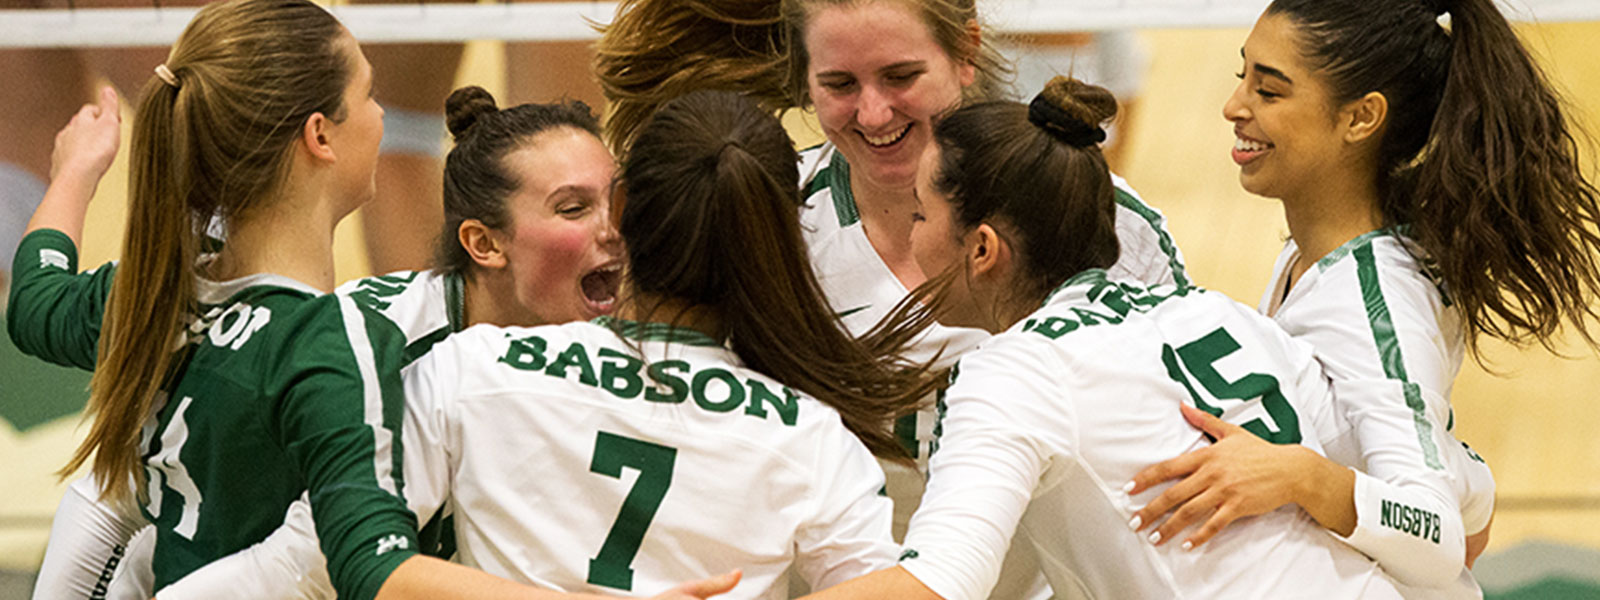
616 456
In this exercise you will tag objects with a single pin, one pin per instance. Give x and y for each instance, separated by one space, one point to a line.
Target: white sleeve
848 532
87 541
427 436
983 475
287 564
1477 504
1408 502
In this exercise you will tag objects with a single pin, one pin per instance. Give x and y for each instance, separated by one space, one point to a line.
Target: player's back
1094 380
574 464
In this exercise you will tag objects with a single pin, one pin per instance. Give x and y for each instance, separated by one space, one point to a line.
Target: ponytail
211 140
709 220
1478 165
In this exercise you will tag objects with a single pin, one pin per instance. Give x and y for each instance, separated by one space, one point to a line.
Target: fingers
1208 423
1219 520
1190 512
107 103
1172 468
1174 496
706 588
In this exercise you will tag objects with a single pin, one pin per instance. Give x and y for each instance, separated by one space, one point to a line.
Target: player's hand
87 145
704 588
1241 475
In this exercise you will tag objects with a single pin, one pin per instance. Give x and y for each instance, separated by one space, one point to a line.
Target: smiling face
1284 116
878 78
562 250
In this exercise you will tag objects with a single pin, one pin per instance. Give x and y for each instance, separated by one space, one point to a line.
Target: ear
988 254
481 243
968 71
315 136
1363 117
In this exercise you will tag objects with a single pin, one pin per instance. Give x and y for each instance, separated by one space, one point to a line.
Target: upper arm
847 535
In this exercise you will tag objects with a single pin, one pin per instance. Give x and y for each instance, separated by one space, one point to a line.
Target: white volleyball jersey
1046 422
619 457
1388 338
425 305
862 290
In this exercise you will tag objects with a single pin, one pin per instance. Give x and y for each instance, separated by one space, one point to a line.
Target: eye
917 217
902 79
837 85
1266 95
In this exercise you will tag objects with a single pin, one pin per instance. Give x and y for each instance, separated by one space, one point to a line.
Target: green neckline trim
844 200
1345 249
655 332
1088 276
455 301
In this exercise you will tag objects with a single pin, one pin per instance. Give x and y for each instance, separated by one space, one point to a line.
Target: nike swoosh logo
843 314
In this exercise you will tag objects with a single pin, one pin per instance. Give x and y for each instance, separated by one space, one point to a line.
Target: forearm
1325 490
429 578
64 205
889 583
87 541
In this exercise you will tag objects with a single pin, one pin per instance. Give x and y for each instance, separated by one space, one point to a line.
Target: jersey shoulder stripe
1127 198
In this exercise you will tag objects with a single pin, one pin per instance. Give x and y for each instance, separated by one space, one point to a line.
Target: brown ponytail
1478 164
711 184
212 144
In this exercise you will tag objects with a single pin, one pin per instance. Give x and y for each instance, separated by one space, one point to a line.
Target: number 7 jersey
620 457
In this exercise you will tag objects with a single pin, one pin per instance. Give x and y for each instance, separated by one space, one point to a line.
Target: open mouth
1246 149
884 141
600 287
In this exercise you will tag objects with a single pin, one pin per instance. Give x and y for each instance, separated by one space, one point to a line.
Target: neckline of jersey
655 332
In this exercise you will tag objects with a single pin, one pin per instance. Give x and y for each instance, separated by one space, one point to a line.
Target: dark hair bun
1072 111
465 107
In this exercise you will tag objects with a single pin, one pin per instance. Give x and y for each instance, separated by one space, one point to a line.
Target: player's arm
287 564
54 313
88 539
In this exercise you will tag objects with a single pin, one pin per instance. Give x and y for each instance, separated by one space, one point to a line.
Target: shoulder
1148 251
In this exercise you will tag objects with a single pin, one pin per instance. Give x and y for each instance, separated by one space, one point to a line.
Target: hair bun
1072 111
465 107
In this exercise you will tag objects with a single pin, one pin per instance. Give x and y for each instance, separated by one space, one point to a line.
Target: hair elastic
1063 126
166 75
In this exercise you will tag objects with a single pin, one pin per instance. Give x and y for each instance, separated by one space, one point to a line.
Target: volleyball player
1427 210
529 195
1043 423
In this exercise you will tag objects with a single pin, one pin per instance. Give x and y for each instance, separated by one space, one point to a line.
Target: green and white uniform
1045 423
1389 339
278 391
862 290
581 460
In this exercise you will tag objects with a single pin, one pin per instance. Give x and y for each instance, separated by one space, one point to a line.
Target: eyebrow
907 64
1266 70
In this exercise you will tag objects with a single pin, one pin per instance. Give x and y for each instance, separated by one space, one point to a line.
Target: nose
1234 108
873 108
609 237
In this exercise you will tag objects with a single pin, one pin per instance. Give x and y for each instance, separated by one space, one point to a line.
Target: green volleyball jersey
278 391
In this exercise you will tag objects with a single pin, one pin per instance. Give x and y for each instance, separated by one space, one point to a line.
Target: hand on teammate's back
704 588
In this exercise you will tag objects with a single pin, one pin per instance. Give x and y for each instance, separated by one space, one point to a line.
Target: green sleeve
339 417
54 312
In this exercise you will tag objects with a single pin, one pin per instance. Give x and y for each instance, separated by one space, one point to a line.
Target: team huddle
671 355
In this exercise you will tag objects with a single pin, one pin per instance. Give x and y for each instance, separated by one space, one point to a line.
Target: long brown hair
710 185
655 50
212 145
1478 164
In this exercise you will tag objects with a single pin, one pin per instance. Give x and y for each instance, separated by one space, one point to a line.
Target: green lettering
620 378
678 389
574 356
1384 520
788 407
1055 327
526 354
1090 317
702 380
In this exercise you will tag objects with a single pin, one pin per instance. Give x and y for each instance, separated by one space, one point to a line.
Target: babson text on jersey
669 381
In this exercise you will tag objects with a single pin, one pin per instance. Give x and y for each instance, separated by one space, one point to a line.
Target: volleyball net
575 21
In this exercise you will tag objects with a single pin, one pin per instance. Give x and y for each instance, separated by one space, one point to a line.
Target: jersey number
167 467
1200 357
654 463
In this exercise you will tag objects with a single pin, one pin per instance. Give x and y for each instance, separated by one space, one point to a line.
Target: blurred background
1172 62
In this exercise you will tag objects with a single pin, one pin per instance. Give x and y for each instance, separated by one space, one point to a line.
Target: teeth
887 139
1245 145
